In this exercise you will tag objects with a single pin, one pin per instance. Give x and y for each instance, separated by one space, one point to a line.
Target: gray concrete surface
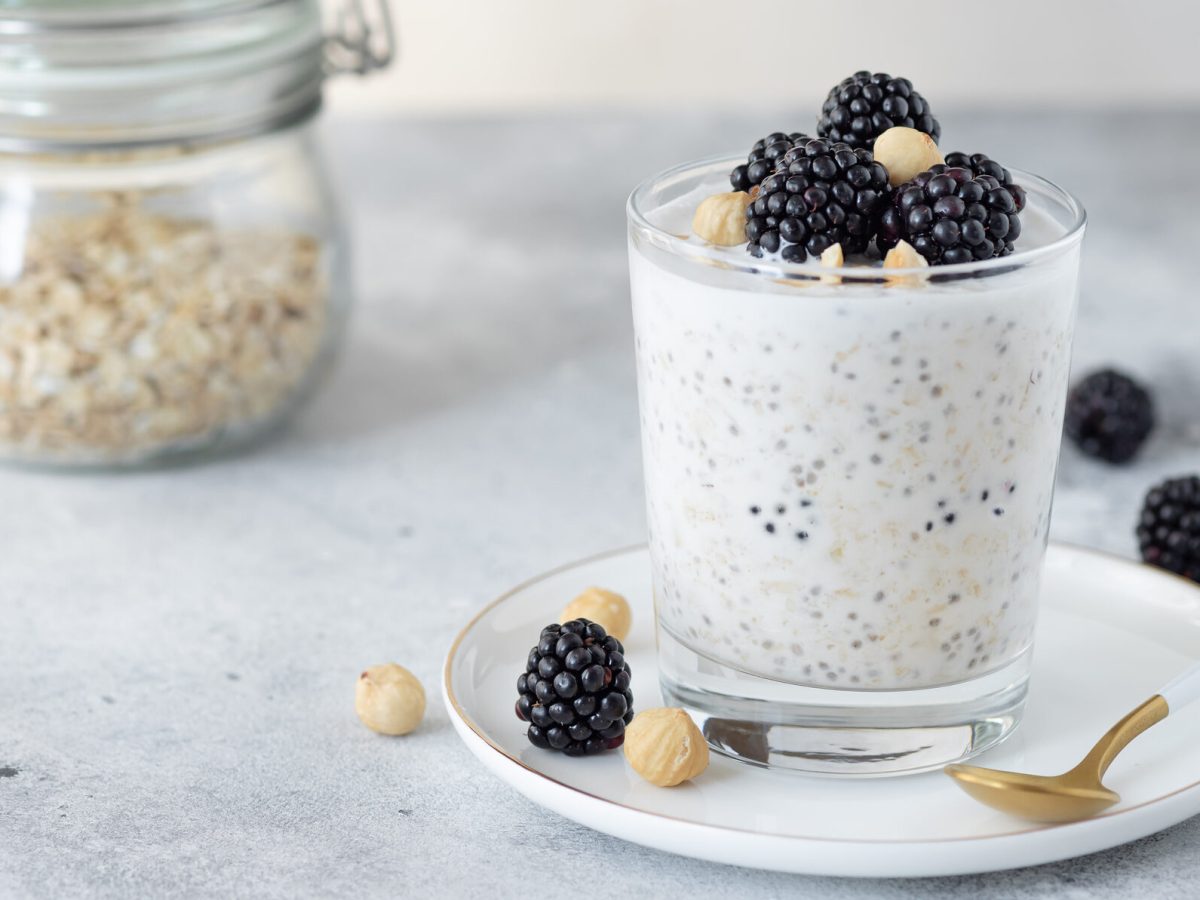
178 648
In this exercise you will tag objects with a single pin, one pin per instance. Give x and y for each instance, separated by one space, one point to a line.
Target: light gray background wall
504 55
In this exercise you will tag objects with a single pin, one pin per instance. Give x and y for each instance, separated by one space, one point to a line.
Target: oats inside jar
125 330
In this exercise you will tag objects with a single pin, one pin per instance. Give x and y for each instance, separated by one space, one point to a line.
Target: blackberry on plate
951 215
866 104
1109 415
821 193
761 161
982 164
1168 531
574 691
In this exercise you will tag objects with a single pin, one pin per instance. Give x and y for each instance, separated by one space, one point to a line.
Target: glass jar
174 275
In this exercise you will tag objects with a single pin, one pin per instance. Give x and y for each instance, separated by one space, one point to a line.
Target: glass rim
713 255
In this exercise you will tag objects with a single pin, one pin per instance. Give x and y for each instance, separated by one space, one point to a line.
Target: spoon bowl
1038 798
1076 794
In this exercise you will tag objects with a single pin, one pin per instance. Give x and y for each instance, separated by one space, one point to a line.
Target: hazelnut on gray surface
389 699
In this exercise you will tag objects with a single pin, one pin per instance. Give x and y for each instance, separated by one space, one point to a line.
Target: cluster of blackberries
820 193
812 192
866 104
574 691
1168 531
1109 415
951 214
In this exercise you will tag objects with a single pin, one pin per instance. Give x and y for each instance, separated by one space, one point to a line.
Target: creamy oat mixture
850 485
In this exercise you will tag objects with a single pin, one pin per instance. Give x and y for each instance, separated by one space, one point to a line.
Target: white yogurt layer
850 485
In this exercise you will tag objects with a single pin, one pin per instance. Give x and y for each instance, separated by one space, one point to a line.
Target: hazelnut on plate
607 609
665 747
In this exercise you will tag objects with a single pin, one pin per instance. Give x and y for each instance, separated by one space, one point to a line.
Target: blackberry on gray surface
761 161
982 164
866 104
1109 416
820 193
951 215
1168 531
574 691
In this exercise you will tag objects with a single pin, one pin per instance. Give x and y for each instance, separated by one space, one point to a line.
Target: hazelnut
721 218
607 609
905 152
832 258
903 256
389 699
665 747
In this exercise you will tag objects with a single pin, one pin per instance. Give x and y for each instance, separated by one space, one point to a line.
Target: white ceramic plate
1111 633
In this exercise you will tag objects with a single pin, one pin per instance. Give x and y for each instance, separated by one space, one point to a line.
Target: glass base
820 731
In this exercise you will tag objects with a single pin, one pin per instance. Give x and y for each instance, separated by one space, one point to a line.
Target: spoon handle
1182 689
1096 763
1178 693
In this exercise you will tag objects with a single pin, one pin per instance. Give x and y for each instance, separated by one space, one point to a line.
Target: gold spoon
1079 793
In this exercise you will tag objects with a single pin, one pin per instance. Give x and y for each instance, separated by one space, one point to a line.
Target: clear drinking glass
848 484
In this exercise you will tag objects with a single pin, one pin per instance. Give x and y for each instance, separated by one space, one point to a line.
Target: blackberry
574 691
982 164
1168 531
821 193
951 215
761 161
1109 415
865 105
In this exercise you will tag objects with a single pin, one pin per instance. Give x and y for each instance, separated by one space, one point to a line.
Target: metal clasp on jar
360 43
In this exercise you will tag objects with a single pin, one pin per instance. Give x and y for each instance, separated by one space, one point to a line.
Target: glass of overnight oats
852 371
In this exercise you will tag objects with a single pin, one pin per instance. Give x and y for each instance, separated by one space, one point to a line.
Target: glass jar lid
87 74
